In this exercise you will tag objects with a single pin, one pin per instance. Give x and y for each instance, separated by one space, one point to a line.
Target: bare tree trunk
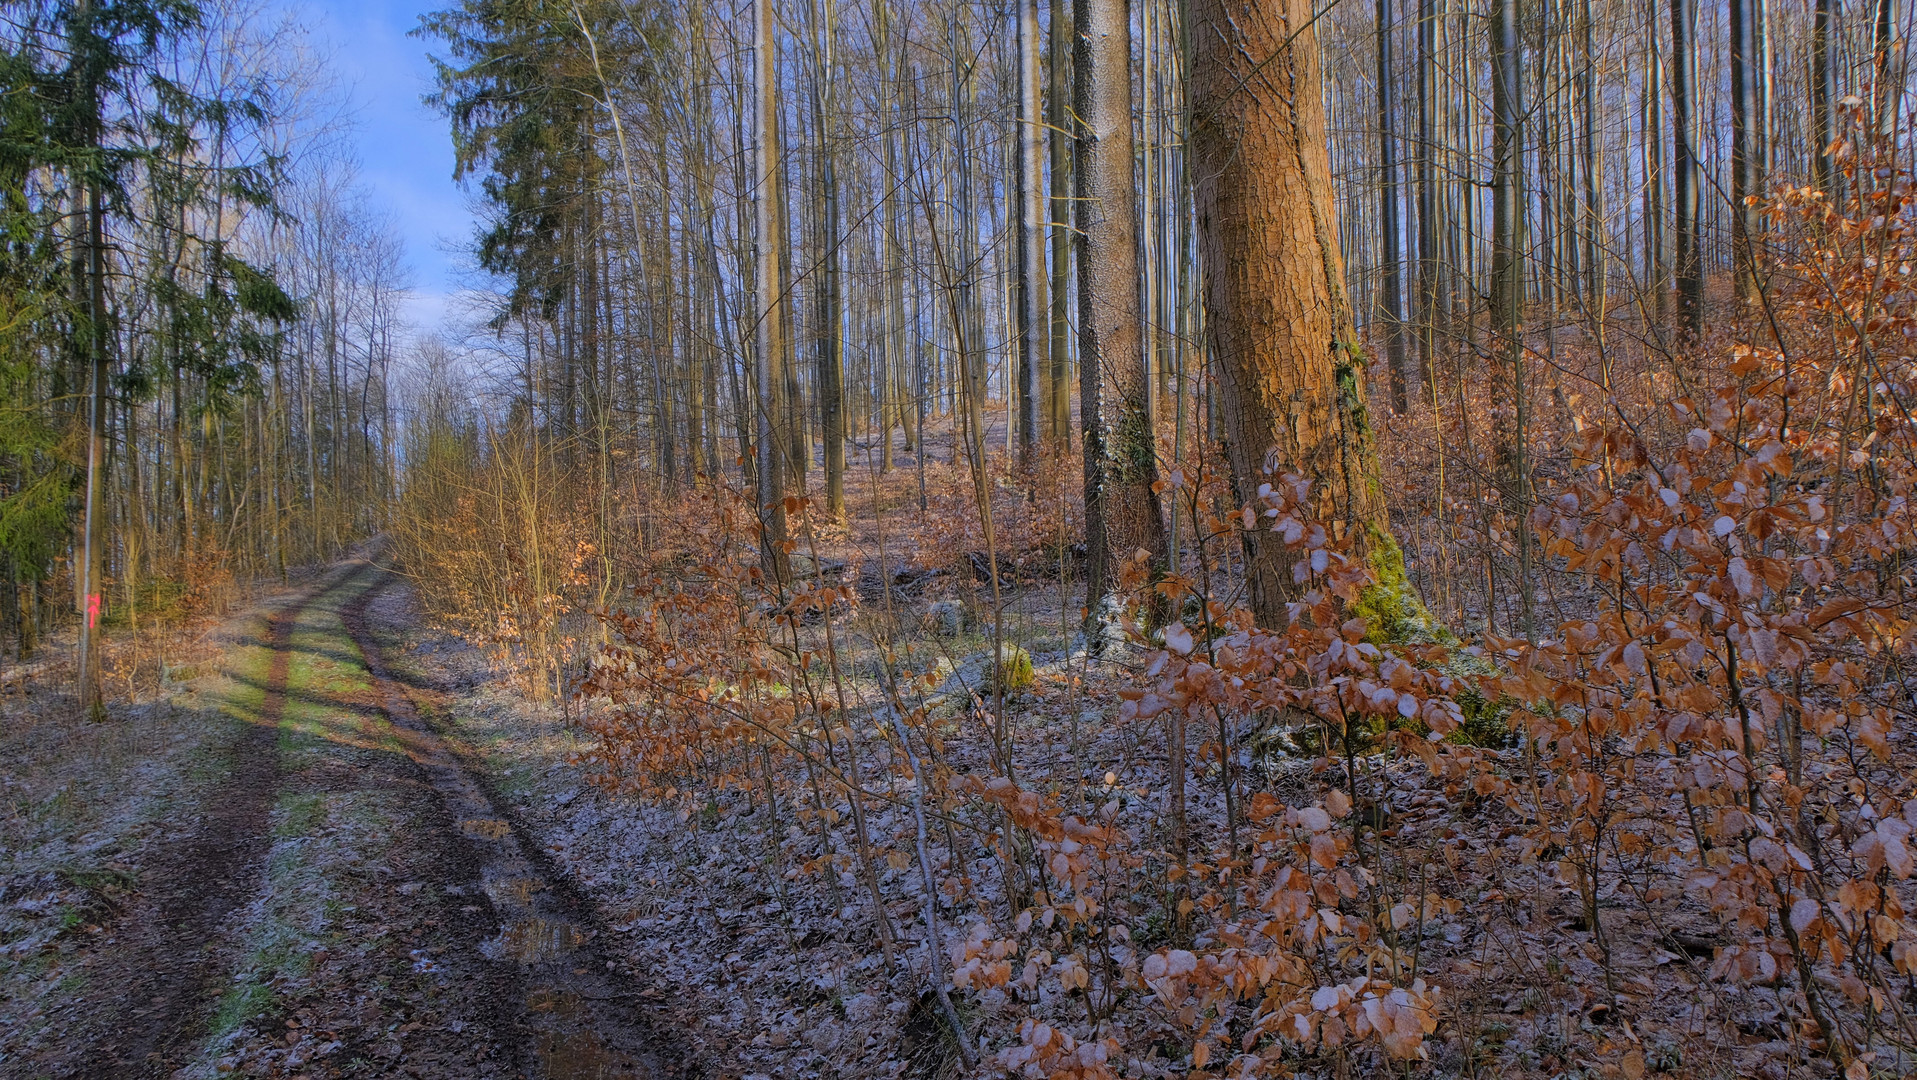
1122 513
1881 43
1060 396
1030 213
894 380
91 573
1657 263
1392 256
1689 269
768 293
1291 377
1427 192
1821 133
831 312
968 330
1745 146
1507 268
1596 273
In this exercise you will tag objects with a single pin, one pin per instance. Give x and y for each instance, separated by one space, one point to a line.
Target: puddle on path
513 891
485 828
566 1044
580 1017
535 939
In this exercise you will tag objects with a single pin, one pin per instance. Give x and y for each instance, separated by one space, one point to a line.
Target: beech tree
1290 368
1122 510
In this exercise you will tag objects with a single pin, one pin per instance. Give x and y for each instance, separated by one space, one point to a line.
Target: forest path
350 902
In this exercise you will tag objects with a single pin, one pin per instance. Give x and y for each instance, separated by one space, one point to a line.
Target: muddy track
570 1014
149 990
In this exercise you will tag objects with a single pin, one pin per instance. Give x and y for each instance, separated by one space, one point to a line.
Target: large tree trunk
90 573
1122 513
1291 384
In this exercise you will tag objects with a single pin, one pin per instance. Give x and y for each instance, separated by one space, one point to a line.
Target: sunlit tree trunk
1291 377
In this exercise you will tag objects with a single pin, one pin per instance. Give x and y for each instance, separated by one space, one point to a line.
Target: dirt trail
578 1011
151 987
349 901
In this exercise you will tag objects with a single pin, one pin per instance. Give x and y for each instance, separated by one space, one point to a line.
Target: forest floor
283 869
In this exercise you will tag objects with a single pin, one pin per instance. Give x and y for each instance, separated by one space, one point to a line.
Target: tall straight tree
1428 254
1058 92
1820 74
768 292
1507 266
91 57
1291 376
1392 300
1747 139
1592 219
1032 332
1122 512
829 378
968 330
1689 268
1657 263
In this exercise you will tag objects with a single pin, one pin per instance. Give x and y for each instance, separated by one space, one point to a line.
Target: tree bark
1122 514
1393 298
1689 268
830 375
1427 191
768 294
1507 272
1033 336
1821 134
1291 377
1060 396
1746 145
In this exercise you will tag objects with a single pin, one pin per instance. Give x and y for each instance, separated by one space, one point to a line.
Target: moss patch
1390 607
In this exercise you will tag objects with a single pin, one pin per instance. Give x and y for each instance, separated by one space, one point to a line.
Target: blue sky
405 154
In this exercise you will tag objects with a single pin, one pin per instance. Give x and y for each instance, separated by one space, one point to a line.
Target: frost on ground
763 976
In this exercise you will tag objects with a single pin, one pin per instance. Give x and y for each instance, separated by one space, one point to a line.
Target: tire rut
573 1012
150 990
